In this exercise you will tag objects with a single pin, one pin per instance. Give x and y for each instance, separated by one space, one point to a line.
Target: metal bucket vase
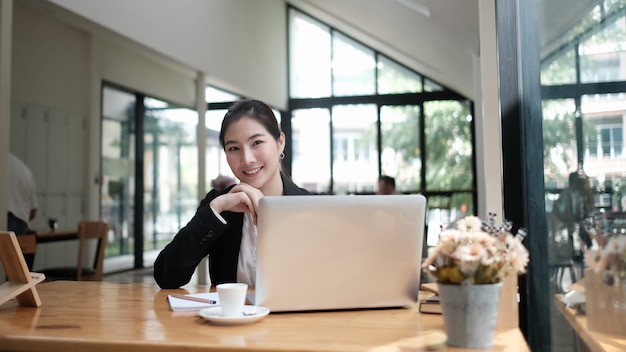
470 313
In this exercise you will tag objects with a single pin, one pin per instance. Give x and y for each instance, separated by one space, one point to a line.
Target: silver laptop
328 252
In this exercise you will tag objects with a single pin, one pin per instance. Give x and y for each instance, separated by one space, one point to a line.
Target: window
354 128
165 173
377 119
584 108
353 67
401 154
310 58
310 130
395 78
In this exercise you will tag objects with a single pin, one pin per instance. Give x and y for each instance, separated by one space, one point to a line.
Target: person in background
386 185
224 225
222 182
22 203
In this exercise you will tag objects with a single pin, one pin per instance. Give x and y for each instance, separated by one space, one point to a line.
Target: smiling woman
224 226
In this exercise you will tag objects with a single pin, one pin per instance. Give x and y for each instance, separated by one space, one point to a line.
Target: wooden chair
28 245
21 283
87 230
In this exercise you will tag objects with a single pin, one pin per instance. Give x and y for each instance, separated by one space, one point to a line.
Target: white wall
198 34
6 18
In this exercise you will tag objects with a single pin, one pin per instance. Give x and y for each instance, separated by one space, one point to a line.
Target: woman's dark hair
255 109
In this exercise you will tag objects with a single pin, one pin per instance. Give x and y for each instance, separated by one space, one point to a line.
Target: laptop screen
324 252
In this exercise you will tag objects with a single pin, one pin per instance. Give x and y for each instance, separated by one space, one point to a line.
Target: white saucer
214 315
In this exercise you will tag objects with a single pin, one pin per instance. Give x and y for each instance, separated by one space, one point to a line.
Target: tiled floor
140 275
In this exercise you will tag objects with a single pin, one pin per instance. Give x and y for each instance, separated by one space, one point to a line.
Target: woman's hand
242 198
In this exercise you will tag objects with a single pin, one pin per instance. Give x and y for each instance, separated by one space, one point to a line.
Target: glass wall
216 164
149 148
583 74
357 114
170 162
117 186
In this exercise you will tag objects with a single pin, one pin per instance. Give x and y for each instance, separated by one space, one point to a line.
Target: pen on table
192 298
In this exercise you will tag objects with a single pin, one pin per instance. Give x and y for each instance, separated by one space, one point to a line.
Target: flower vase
470 313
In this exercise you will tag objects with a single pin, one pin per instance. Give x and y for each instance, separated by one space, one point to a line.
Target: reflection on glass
355 155
560 69
604 160
448 128
560 155
309 57
601 54
311 149
394 78
582 131
400 137
354 67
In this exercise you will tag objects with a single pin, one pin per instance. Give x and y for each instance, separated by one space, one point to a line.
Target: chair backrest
91 229
28 243
21 283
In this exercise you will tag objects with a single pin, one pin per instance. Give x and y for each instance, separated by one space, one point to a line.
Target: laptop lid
324 252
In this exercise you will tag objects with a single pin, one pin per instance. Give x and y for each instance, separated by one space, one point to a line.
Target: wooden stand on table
21 284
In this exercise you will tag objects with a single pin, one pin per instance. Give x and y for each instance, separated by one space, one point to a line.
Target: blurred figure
222 182
22 197
386 185
574 205
22 205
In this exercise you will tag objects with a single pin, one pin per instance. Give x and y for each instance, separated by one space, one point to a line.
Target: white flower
477 252
470 224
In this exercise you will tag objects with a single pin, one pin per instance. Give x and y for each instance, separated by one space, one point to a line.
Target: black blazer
206 235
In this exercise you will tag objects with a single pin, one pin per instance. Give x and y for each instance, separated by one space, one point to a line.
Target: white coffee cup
232 298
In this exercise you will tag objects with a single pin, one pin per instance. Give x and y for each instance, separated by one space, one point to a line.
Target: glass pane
431 86
560 70
216 95
170 171
602 54
583 139
355 155
216 163
448 129
444 210
311 149
309 57
394 78
401 156
117 187
559 142
354 67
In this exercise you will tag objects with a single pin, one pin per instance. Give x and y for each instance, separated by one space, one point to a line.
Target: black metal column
522 150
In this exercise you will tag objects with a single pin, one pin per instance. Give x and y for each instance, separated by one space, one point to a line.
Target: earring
281 156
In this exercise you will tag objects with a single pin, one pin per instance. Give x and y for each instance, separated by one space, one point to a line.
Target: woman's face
252 153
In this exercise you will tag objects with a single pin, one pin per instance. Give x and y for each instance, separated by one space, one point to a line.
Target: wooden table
53 236
101 316
595 341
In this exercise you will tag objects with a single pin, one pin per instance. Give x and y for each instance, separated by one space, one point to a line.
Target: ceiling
438 38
